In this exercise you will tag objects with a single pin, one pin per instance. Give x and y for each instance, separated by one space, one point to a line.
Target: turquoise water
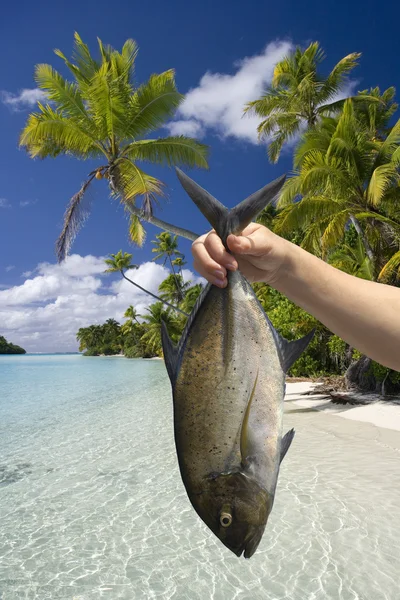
92 505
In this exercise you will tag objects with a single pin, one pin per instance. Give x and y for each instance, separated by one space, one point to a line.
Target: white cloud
45 312
4 203
24 203
217 102
191 128
27 273
10 268
25 99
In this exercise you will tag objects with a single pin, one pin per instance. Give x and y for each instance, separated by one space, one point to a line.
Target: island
8 348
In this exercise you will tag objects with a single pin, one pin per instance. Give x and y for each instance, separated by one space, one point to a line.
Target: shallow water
92 505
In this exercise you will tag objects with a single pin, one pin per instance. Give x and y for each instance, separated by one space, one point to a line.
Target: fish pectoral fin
245 441
170 352
289 352
285 444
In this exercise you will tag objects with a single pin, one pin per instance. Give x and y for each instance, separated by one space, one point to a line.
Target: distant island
8 348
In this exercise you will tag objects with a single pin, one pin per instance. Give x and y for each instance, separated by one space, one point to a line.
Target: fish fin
242 214
170 352
289 352
286 441
223 220
244 434
215 212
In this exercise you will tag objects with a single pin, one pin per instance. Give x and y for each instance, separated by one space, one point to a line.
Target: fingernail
220 282
231 266
219 275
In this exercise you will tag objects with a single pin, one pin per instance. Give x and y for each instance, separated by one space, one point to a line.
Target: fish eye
225 519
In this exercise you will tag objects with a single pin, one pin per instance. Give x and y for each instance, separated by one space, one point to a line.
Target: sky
223 54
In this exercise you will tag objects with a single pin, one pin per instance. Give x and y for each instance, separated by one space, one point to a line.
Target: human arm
363 313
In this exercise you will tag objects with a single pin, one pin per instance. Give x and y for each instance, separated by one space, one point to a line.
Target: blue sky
207 45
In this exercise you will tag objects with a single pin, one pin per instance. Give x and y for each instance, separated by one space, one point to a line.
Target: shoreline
380 413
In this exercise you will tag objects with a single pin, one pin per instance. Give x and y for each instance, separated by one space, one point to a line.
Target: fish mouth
250 543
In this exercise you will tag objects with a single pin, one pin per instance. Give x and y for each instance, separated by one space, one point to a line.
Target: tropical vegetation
102 115
9 348
341 202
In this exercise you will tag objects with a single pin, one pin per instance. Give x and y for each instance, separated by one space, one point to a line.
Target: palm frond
133 182
390 268
381 179
74 218
169 151
152 104
137 232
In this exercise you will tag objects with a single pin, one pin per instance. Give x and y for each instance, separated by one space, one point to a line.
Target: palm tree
342 175
179 262
101 115
157 315
120 263
191 296
132 314
89 337
298 95
167 248
173 288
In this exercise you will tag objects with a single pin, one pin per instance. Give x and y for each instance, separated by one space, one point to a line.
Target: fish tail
226 221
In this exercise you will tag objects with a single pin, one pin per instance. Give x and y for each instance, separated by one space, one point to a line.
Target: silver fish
228 381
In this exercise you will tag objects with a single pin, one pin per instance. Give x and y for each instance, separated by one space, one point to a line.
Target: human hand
258 253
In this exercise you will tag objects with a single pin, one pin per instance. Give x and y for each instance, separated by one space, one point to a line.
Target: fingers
212 260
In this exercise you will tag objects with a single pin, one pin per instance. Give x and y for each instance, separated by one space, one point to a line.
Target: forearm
363 313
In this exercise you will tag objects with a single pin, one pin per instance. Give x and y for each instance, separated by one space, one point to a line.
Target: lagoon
92 505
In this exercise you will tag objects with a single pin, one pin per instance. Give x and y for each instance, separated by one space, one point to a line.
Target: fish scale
228 383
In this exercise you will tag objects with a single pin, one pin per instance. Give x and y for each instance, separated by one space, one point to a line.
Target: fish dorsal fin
289 352
222 219
286 441
244 434
170 352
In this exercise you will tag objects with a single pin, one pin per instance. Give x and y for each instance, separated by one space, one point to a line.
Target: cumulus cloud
25 99
217 102
45 312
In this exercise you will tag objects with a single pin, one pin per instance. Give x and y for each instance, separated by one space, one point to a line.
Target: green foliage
101 114
9 348
298 95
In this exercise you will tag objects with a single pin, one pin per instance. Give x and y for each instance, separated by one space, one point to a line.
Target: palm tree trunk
153 295
174 229
368 249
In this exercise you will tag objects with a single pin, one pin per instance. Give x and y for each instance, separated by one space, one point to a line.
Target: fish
227 375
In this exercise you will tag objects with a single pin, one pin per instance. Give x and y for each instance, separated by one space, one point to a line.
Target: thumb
240 244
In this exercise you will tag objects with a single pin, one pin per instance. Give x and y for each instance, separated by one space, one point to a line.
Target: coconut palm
179 262
191 296
157 315
89 337
173 288
101 115
131 313
120 263
342 175
298 95
166 247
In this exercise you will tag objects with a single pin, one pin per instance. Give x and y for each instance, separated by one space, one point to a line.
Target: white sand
381 414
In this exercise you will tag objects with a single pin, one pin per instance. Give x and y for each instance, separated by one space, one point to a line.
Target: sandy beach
385 414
